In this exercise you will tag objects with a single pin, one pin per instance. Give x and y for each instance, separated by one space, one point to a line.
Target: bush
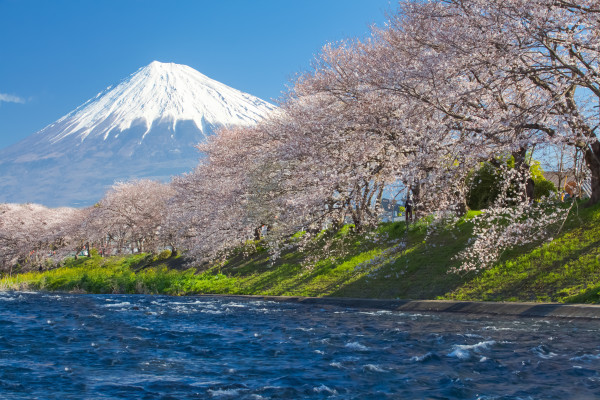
163 255
483 187
484 184
543 188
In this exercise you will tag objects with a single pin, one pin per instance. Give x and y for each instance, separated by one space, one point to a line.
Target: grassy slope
393 263
565 270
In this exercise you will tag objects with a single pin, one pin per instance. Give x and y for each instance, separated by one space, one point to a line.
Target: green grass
564 270
391 262
129 274
340 264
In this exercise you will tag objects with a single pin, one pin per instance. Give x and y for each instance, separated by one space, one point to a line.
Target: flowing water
64 346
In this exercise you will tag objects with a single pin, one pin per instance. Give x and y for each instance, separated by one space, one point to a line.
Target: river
72 346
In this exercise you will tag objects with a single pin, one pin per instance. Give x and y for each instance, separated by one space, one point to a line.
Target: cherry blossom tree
131 213
31 234
215 207
509 74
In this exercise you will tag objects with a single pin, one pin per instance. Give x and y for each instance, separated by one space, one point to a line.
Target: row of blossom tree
445 85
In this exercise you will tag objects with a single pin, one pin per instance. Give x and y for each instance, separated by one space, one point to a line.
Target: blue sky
55 55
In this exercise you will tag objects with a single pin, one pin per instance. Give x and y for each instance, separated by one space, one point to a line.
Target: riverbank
390 263
514 309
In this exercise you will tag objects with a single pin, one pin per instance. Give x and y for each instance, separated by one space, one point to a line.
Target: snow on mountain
144 127
160 92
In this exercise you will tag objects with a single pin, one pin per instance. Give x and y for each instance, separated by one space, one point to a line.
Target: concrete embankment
539 310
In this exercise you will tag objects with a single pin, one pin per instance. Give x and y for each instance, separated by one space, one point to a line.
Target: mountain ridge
146 126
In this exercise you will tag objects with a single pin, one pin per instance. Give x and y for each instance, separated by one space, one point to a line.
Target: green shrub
484 183
163 255
543 188
483 187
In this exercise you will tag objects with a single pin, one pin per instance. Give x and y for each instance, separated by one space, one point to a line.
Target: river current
67 346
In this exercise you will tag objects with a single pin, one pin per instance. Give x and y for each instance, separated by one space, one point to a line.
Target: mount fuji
144 127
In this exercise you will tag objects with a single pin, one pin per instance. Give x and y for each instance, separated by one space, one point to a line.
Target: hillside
392 262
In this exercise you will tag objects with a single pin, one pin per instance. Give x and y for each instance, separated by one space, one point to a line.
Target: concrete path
545 310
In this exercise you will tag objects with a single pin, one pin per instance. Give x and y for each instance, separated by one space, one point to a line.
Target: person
571 189
408 208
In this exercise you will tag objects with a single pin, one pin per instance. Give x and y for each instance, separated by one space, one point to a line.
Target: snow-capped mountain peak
160 92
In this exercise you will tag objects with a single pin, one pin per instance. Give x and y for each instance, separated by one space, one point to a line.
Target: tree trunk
592 160
356 218
525 180
257 233
529 189
520 157
417 209
461 206
379 198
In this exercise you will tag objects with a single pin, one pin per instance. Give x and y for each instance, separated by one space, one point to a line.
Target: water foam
373 368
356 346
121 304
325 389
543 351
425 357
586 357
463 351
224 392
